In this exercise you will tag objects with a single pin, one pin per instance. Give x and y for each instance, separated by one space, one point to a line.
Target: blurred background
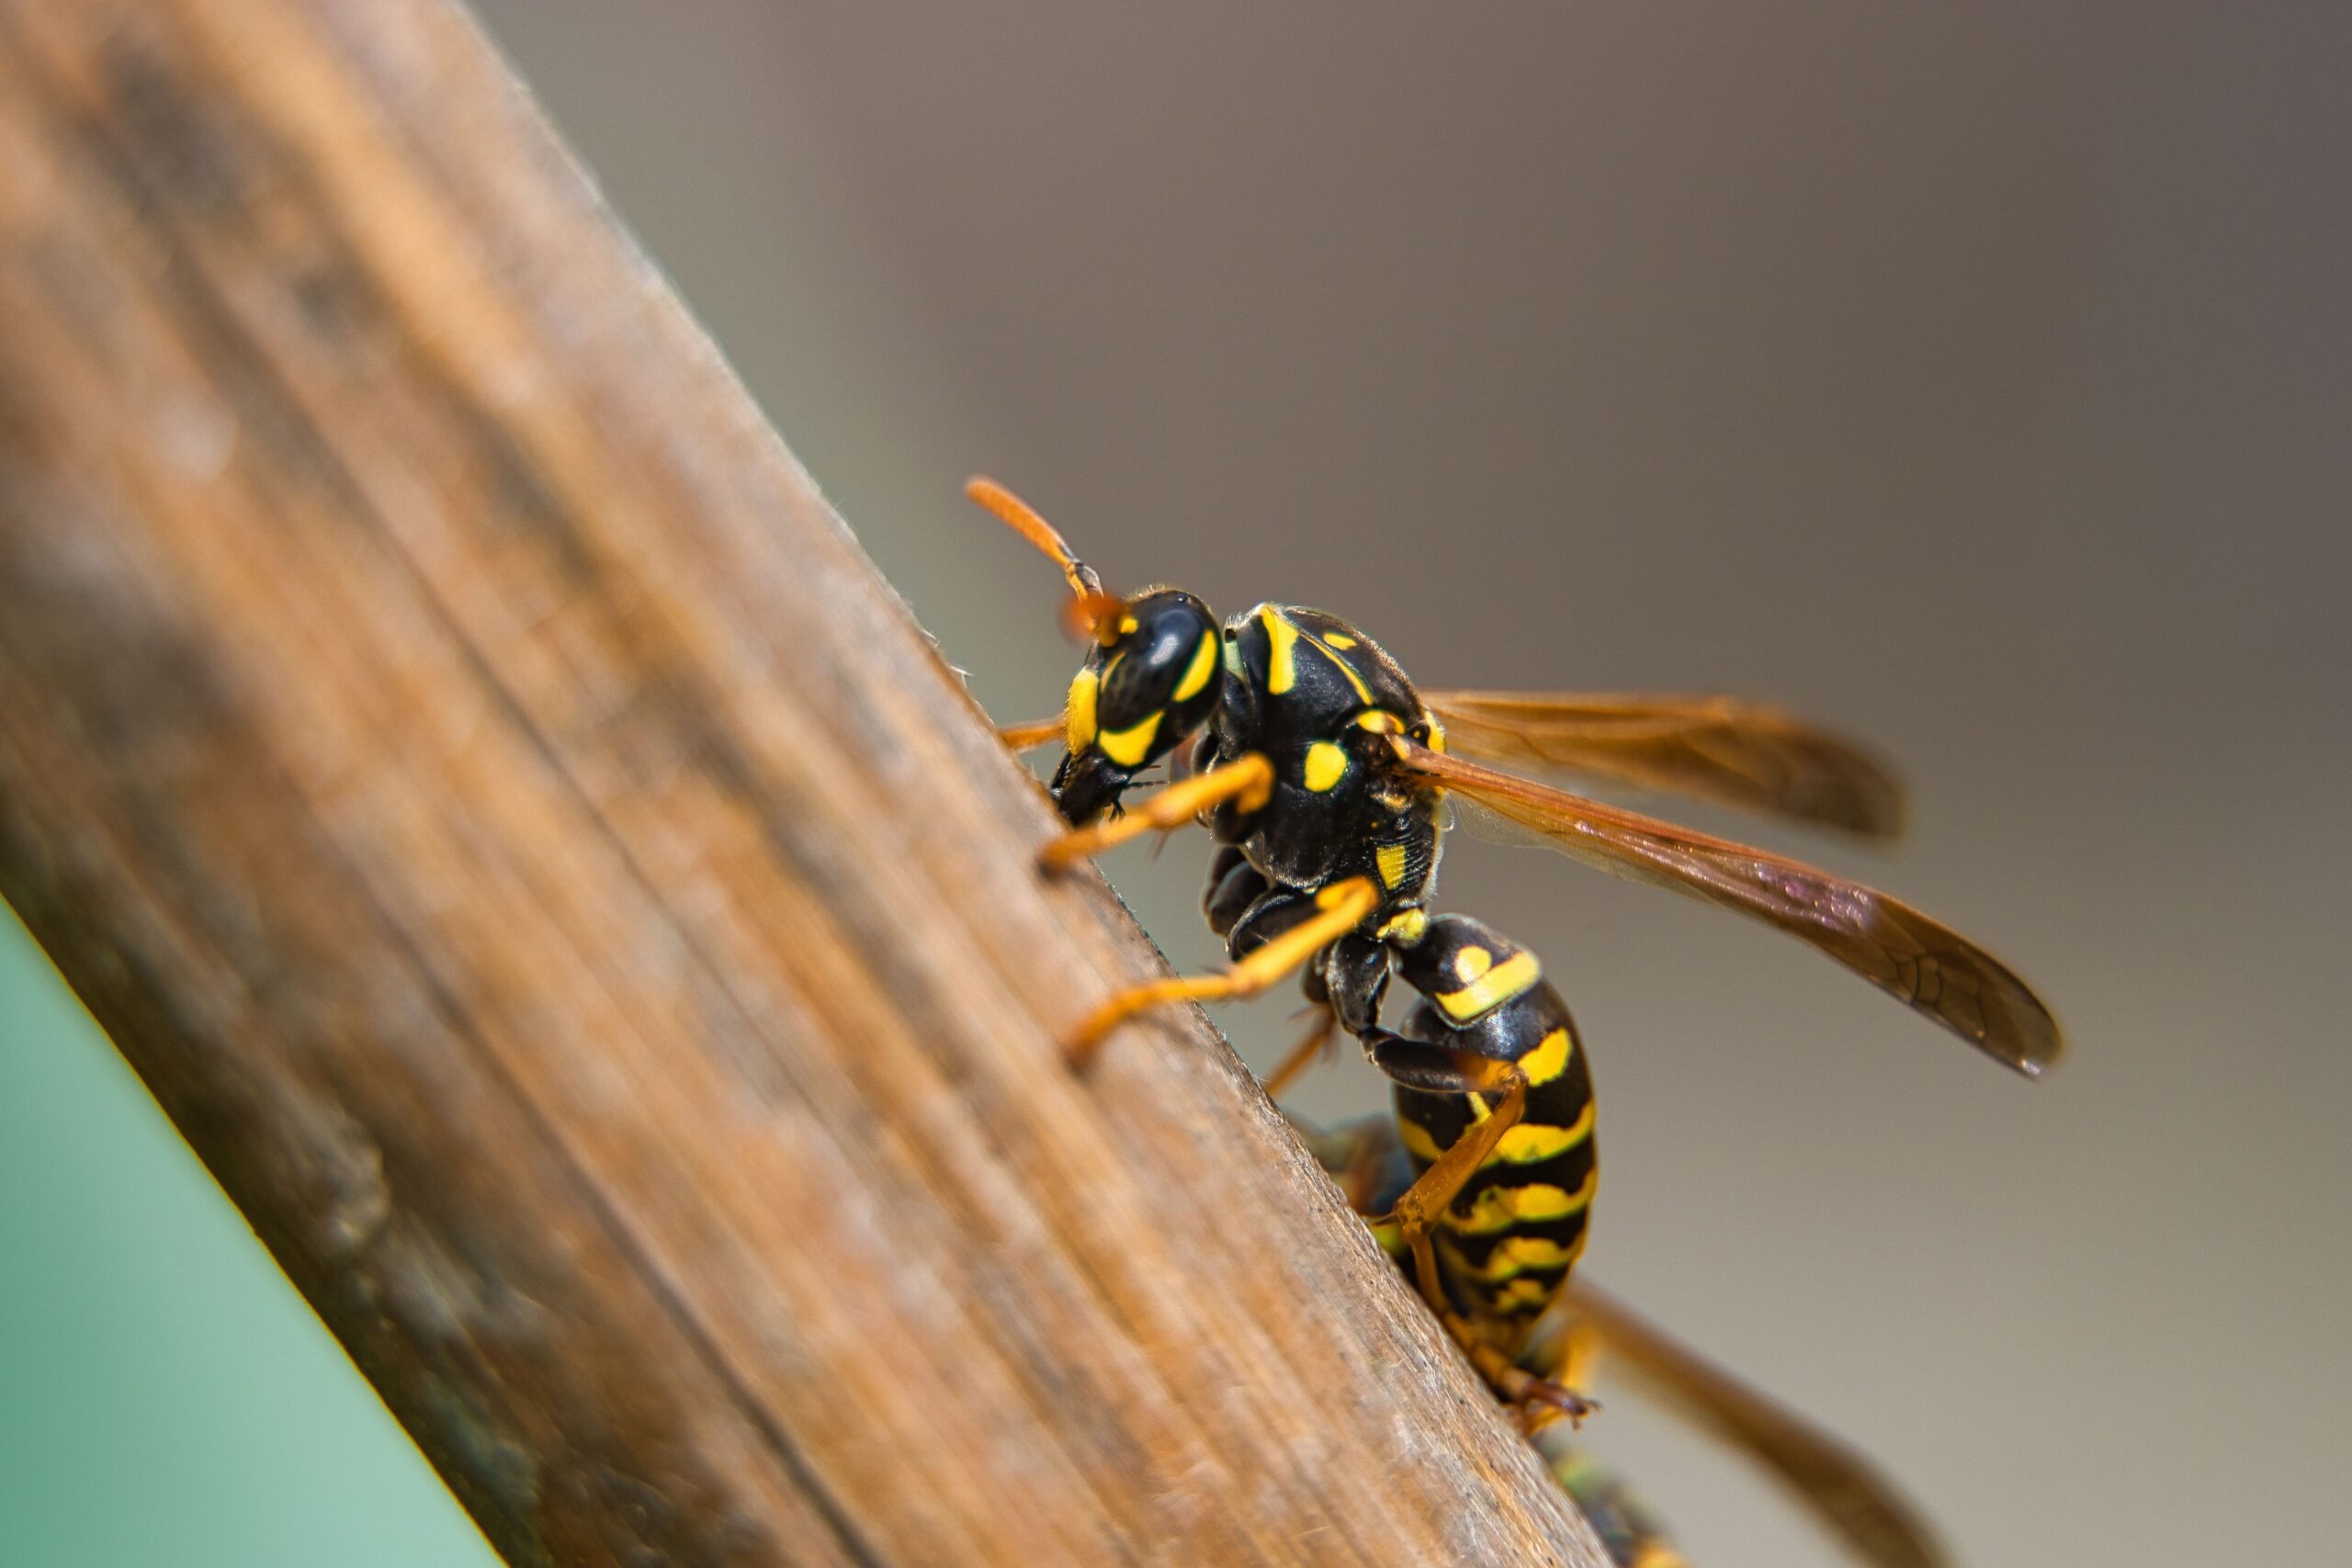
1978 379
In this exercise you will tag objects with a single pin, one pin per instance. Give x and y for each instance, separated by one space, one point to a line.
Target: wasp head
1152 678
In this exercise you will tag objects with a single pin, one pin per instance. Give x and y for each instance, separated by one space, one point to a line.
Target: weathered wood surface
553 884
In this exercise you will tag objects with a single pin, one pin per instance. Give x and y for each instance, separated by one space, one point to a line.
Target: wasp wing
1719 748
1925 964
1842 1488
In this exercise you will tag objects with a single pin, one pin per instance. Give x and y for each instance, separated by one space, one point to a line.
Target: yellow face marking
1490 988
1437 733
1530 1143
1325 766
1408 926
1547 1061
1499 1208
1126 747
1078 716
1391 860
1196 674
1282 651
1379 721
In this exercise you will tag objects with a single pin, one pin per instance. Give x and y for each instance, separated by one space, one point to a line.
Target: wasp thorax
1152 678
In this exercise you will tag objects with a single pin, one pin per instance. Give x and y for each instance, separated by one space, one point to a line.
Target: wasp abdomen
1508 1240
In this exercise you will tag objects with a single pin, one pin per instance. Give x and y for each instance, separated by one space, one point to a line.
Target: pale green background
165 1398
1977 377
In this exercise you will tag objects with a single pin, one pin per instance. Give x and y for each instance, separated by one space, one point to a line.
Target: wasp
1583 1327
1324 775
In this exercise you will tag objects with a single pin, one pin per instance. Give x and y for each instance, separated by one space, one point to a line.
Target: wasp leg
1316 1046
1029 736
1345 984
1542 1405
1235 886
1341 909
1248 782
1436 1071
1426 1067
1535 1402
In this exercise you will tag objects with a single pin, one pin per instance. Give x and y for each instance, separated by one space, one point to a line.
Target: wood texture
556 889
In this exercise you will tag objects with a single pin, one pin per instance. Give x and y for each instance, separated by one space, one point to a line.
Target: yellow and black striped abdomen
1506 1243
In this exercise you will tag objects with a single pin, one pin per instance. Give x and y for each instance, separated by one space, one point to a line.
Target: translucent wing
1864 1509
1718 748
1925 964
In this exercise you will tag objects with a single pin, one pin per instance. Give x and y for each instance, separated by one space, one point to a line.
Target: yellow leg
1535 1401
1580 1350
1303 1055
1416 1211
1030 736
1247 780
1344 905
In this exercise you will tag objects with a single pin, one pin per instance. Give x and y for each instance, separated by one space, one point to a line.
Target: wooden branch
556 888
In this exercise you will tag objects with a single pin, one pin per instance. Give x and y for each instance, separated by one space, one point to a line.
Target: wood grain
555 887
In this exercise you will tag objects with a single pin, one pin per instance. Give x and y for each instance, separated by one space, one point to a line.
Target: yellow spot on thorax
1364 693
1196 674
1325 766
1391 860
1078 716
1339 639
1126 747
1282 639
1281 650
